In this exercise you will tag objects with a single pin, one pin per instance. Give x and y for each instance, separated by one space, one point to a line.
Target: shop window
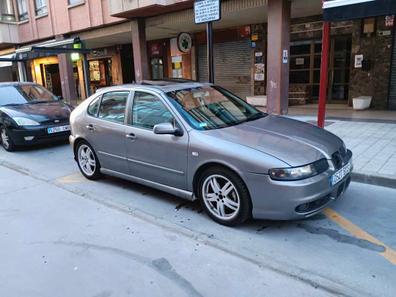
41 7
299 77
112 107
22 10
7 11
148 111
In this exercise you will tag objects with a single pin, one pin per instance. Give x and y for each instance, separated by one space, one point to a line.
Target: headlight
25 121
297 173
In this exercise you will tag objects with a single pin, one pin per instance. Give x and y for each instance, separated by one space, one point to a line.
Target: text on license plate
58 129
340 174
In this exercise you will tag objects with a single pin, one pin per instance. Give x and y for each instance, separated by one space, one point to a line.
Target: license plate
340 174
58 129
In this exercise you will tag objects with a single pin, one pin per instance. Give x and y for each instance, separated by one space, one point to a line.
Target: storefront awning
49 48
340 10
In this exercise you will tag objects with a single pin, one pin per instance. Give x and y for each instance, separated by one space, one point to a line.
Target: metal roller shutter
232 66
392 81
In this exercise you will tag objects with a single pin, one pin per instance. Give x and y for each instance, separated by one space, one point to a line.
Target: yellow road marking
71 179
389 254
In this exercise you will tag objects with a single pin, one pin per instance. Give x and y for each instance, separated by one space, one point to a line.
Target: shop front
45 71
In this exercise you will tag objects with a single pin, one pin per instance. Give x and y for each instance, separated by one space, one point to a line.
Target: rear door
158 158
106 130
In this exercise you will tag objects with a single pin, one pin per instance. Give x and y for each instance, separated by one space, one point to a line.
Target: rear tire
87 161
6 140
224 196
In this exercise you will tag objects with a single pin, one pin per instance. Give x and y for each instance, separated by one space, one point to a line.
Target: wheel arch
201 169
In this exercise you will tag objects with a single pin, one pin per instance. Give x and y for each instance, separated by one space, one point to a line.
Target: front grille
56 122
341 157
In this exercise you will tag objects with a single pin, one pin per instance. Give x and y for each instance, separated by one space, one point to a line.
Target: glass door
339 69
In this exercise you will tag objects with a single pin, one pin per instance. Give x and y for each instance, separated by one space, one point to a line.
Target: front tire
87 161
224 196
6 140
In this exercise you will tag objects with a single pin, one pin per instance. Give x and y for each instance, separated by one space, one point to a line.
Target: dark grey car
199 141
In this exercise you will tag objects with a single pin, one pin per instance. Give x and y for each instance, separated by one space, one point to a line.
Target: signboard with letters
206 11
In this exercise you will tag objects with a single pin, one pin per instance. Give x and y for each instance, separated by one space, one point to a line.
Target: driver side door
158 158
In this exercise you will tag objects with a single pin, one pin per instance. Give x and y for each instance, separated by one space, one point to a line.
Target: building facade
268 51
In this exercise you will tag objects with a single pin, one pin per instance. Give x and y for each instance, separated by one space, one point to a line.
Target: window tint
113 106
93 108
148 111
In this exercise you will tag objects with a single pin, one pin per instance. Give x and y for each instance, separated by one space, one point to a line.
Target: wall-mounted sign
389 20
359 61
184 42
285 57
259 72
207 11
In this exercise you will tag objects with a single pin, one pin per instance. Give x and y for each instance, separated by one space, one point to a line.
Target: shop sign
206 11
184 42
155 49
300 61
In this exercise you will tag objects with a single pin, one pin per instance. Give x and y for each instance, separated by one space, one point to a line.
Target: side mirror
167 128
59 98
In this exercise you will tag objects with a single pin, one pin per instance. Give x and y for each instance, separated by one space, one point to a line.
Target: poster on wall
359 61
259 72
94 70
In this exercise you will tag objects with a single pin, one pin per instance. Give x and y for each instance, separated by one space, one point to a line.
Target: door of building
339 70
392 82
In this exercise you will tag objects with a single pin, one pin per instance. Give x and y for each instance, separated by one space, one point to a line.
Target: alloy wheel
221 197
5 139
86 159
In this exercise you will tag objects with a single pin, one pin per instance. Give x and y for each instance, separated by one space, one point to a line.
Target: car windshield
212 107
23 94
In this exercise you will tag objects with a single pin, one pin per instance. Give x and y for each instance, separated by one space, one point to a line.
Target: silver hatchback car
199 141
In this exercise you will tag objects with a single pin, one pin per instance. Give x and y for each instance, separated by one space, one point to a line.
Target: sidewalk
373 144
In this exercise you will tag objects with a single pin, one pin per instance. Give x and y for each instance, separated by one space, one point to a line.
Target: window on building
75 2
113 106
22 9
7 11
41 7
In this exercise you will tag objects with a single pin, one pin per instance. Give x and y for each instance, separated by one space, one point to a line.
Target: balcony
146 8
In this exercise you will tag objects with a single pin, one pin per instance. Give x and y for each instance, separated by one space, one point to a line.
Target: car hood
294 142
40 112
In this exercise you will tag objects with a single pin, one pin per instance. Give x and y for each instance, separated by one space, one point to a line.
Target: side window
93 107
112 107
148 111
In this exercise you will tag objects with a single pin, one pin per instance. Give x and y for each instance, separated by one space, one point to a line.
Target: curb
374 180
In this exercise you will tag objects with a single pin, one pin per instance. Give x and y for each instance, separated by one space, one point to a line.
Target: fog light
29 138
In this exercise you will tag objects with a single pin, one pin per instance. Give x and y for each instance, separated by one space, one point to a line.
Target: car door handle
131 136
90 127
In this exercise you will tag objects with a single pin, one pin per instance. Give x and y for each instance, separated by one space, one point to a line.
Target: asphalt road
62 235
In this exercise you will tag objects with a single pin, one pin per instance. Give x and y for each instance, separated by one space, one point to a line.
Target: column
278 56
138 28
68 84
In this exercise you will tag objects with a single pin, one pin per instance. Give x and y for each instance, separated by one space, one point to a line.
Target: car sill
171 190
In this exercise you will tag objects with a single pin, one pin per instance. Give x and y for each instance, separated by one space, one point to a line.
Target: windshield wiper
11 104
38 101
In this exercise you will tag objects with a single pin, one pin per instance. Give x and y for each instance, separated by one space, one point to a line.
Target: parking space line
389 253
71 179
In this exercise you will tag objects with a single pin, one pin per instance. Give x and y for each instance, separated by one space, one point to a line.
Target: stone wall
378 50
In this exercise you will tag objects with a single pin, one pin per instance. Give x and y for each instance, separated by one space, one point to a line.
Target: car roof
156 85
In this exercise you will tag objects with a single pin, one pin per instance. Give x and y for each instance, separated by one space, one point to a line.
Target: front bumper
36 135
288 200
